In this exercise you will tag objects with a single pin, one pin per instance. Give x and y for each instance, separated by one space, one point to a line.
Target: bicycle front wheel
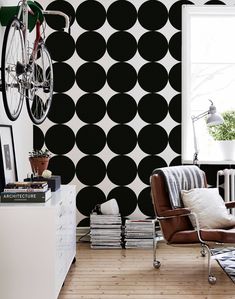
13 69
39 96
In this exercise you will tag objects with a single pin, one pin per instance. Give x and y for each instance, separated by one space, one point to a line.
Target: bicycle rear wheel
39 96
12 69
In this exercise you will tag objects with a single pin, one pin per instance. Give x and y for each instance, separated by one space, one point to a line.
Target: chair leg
203 250
156 263
211 277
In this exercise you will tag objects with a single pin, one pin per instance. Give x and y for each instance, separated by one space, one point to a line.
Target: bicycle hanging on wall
26 71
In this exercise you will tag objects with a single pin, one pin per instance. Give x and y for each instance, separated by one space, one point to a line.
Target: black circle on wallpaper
54 142
121 139
61 102
175 108
152 108
121 77
121 15
64 76
147 165
152 139
175 46
85 222
126 199
91 77
90 15
38 138
90 46
152 77
121 108
87 198
121 170
175 139
175 13
58 52
90 108
121 46
153 15
176 161
63 166
217 2
145 202
152 46
57 22
90 170
90 139
175 77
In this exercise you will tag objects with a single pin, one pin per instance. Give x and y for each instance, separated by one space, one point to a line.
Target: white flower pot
227 148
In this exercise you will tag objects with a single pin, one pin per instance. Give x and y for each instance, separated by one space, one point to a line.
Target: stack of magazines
105 231
139 233
37 192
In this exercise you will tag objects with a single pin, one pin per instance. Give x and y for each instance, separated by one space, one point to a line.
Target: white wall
22 127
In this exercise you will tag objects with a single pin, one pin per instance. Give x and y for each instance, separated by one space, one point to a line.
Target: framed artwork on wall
8 170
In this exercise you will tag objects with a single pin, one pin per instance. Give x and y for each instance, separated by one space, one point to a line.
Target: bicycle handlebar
59 13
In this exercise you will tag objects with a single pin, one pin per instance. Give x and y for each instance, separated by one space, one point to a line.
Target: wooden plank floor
128 273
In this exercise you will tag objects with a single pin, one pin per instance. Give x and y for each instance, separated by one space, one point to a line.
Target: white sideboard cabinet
37 246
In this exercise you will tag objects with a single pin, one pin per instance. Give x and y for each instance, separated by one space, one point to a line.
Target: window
208 73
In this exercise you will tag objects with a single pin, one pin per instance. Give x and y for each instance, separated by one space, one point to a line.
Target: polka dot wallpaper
116 110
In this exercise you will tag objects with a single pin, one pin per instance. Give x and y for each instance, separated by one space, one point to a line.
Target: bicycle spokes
41 81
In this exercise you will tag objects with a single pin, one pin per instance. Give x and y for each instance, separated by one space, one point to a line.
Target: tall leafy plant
225 131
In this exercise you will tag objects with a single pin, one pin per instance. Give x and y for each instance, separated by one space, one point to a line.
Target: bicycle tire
39 97
12 69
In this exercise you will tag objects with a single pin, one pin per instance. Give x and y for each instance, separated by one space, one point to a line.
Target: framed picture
8 171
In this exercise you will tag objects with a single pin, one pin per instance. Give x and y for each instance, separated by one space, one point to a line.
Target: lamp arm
196 149
199 116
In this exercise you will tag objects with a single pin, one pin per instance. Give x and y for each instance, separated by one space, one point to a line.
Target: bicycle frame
24 10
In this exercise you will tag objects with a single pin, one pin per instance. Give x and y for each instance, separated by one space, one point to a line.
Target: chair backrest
162 204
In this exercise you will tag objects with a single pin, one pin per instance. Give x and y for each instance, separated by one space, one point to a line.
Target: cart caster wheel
203 254
74 260
212 279
156 264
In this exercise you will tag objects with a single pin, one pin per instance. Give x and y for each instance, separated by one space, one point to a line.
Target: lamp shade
214 119
109 207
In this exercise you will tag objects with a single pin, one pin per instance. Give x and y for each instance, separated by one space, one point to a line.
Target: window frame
189 11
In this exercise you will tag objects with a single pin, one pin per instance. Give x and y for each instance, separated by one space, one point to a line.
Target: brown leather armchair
176 226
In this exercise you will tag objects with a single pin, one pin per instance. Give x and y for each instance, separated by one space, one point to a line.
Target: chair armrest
176 212
230 204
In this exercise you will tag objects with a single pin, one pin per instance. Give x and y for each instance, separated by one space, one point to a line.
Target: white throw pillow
209 207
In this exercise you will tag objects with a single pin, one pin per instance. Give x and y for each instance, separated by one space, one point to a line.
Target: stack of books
37 192
105 231
139 233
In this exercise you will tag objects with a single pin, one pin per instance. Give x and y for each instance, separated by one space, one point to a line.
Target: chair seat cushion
209 207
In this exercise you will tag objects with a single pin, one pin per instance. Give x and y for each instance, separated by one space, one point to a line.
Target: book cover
17 190
25 197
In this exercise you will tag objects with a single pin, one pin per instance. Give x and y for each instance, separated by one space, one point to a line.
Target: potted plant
39 160
224 134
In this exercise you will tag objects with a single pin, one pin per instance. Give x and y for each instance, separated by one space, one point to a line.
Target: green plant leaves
225 131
